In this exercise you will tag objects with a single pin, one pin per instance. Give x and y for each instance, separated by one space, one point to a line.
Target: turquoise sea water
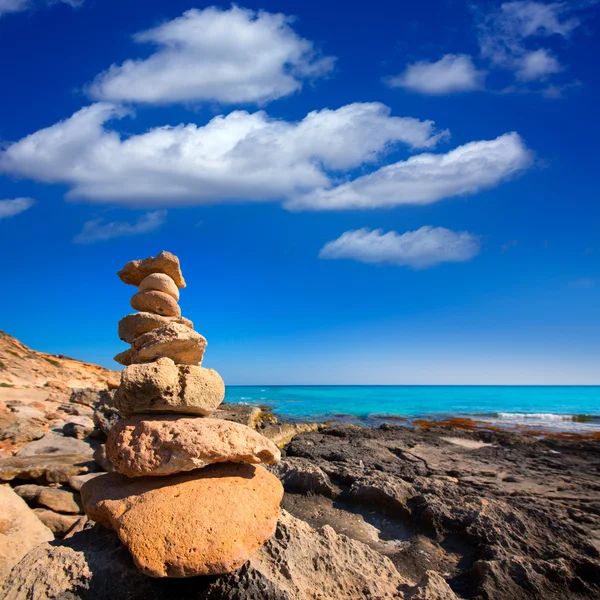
555 407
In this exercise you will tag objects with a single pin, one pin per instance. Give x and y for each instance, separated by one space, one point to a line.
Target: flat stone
163 386
62 501
102 459
125 358
57 523
204 522
144 445
156 302
136 270
53 443
20 530
79 428
175 341
77 481
159 282
50 468
136 324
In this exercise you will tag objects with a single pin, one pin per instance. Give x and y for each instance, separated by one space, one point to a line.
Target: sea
559 408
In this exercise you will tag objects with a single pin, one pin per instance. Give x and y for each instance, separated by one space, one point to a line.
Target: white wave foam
535 416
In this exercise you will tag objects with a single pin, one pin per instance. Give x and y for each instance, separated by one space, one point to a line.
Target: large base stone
204 522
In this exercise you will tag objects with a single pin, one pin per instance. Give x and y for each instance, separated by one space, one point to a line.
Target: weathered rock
81 524
163 386
62 501
53 443
125 358
301 475
204 522
106 415
136 270
77 481
81 428
20 530
102 459
136 324
159 282
50 468
431 587
297 563
175 341
144 445
156 302
90 396
58 524
281 434
240 413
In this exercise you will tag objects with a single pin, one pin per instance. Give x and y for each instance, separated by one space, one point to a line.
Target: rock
77 481
157 303
125 358
80 429
281 434
102 459
53 443
164 445
159 282
240 413
106 415
62 501
81 524
50 468
136 270
90 396
432 587
58 524
20 530
220 515
136 324
163 386
175 341
301 475
297 563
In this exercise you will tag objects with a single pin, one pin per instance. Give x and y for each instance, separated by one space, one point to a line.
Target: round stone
164 445
160 282
158 303
204 522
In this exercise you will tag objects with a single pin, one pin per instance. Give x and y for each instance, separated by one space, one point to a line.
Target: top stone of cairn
135 271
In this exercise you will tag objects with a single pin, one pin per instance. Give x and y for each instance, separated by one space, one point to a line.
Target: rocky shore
437 512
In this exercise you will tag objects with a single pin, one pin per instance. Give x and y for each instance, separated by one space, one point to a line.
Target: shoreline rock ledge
189 495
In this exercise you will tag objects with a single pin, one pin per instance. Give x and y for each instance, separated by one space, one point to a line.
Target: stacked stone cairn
188 496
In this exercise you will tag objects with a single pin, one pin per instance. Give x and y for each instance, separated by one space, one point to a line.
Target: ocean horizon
554 407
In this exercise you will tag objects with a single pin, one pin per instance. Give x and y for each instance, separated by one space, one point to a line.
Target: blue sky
391 193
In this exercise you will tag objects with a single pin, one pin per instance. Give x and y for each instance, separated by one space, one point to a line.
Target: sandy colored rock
124 358
136 270
52 468
144 445
175 341
62 501
53 443
156 302
136 324
77 481
58 524
20 530
163 386
159 282
205 522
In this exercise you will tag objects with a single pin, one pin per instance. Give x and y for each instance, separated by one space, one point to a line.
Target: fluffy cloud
503 34
420 249
427 178
97 231
452 73
230 56
10 208
240 156
14 6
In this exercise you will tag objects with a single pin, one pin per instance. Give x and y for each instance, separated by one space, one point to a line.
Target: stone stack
188 496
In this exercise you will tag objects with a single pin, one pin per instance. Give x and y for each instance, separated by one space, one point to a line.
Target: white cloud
97 231
504 35
239 156
15 6
452 73
420 249
10 208
537 65
230 56
427 178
